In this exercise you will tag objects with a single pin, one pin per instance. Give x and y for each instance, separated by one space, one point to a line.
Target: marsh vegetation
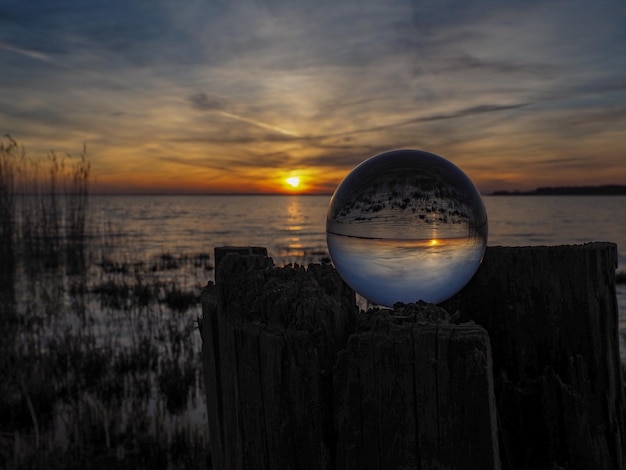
99 354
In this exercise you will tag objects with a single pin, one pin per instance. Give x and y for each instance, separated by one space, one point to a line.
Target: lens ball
406 225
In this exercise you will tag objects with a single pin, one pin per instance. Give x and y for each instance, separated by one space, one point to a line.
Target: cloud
26 52
471 111
564 162
321 84
201 101
205 103
508 67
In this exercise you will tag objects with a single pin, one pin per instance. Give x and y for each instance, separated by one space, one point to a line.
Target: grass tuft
98 356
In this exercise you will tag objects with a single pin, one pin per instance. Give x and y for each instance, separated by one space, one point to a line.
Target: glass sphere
404 226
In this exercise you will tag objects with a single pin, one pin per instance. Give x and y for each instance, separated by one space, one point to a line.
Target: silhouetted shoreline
605 190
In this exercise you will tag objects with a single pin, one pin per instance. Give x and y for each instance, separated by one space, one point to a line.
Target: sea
293 227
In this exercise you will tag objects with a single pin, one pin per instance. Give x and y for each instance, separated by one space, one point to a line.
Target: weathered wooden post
551 314
297 378
415 391
269 339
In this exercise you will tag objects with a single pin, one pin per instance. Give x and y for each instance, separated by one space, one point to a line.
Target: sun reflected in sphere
406 225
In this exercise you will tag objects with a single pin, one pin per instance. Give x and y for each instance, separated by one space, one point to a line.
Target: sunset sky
215 96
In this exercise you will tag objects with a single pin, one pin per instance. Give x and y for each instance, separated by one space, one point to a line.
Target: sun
294 181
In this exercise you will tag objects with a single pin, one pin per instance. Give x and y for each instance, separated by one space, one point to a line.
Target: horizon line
204 194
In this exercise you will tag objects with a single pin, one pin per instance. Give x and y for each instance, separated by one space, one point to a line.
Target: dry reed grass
98 357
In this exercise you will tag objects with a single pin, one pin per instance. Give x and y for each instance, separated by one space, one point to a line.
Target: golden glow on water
294 224
441 243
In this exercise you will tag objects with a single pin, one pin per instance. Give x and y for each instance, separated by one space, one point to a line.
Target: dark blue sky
237 96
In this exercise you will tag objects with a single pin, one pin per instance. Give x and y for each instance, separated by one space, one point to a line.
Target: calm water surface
293 227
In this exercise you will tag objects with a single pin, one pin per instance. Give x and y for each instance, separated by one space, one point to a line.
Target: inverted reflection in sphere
406 225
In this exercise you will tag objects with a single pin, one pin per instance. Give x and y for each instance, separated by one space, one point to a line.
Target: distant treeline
605 190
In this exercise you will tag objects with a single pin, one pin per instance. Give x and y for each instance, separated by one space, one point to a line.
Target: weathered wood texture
414 391
551 314
269 336
297 379
248 254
